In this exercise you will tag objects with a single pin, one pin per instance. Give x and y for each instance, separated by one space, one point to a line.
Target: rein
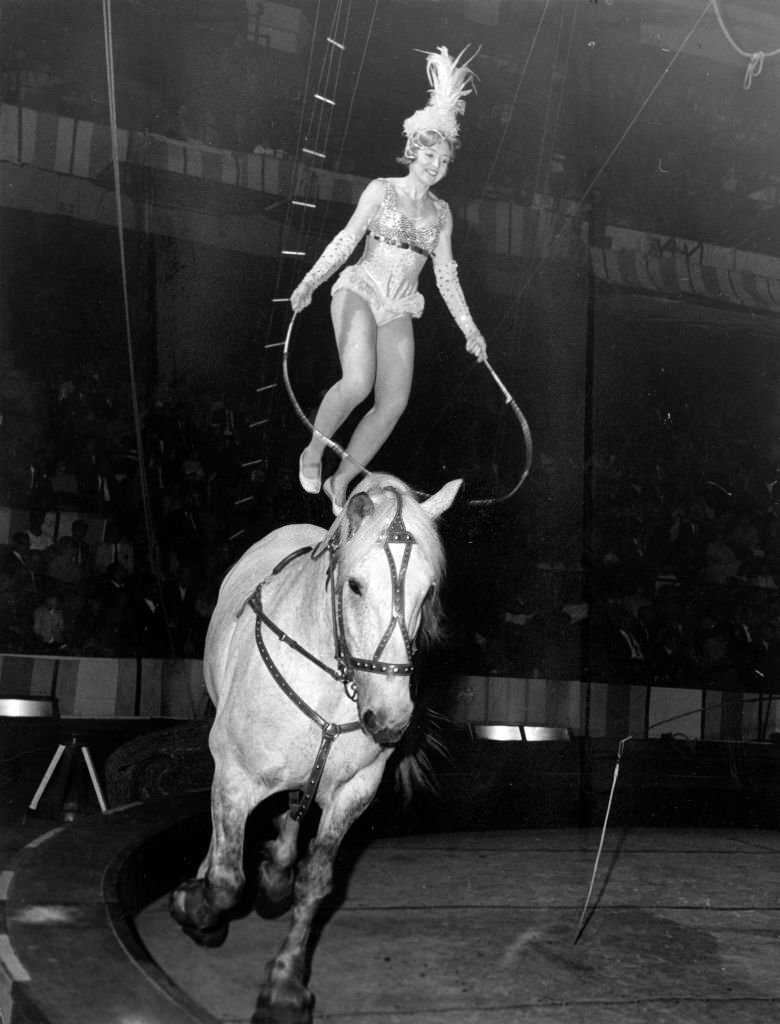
346 662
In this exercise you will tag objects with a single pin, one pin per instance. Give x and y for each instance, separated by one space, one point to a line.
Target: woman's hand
301 297
477 346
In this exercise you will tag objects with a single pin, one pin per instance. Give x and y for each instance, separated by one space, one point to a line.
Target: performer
374 301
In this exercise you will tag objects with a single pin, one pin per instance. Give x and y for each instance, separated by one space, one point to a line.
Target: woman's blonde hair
422 140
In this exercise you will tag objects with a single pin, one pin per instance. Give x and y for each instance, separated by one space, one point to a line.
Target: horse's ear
359 507
441 500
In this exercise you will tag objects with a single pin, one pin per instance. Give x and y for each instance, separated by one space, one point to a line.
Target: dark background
589 103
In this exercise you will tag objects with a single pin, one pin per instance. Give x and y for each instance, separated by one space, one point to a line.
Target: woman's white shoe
330 494
310 484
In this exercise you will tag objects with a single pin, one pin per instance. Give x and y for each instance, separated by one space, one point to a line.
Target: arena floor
447 928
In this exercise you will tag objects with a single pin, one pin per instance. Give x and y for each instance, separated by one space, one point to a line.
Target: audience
674 581
83 576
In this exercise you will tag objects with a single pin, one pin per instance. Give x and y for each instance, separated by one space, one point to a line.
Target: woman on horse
374 300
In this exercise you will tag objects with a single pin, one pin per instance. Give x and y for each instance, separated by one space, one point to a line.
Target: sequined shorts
355 279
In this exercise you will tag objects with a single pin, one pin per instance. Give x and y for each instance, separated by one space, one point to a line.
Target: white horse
308 661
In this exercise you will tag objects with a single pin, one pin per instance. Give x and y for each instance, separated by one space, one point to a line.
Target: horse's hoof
272 1015
283 1013
283 1000
209 937
190 908
270 907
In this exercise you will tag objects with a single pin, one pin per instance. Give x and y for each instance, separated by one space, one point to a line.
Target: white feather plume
451 79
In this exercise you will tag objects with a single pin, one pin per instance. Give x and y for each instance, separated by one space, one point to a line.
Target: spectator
744 537
40 490
628 652
717 655
41 539
49 622
151 627
184 533
91 631
61 565
114 548
82 550
668 662
9 630
205 603
208 131
721 564
87 473
68 576
181 595
18 567
119 626
64 486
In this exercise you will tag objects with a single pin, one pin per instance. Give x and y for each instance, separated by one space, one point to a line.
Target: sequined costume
395 252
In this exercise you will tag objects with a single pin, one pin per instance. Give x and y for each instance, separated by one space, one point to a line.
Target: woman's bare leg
394 372
356 333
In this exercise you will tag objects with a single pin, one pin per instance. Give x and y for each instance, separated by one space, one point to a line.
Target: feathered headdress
451 81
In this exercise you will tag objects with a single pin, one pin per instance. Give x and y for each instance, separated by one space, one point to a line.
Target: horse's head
388 565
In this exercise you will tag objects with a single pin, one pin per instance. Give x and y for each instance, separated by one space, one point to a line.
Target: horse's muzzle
380 732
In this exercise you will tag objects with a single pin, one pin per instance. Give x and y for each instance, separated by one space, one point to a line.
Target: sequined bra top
391 225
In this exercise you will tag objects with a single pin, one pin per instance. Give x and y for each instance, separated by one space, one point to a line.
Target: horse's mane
372 532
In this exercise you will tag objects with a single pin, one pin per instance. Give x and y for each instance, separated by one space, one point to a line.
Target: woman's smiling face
431 163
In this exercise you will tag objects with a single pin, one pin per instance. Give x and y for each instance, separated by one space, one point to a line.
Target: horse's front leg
277 866
284 997
200 904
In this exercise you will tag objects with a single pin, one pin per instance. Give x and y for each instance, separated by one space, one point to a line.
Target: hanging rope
108 39
344 454
755 59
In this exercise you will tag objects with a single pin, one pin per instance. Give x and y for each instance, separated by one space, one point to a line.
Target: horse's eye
355 587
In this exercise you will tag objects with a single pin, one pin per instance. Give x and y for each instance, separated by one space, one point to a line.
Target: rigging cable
513 105
111 82
616 147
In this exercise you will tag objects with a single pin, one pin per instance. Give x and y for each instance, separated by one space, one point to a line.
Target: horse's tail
415 759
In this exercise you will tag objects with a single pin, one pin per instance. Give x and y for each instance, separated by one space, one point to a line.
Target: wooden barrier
108 687
602 710
173 689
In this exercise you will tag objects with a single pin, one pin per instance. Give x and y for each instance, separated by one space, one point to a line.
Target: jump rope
342 453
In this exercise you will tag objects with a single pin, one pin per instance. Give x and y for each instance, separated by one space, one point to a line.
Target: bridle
396 534
346 662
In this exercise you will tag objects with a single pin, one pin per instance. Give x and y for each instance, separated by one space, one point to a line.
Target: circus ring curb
69 950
